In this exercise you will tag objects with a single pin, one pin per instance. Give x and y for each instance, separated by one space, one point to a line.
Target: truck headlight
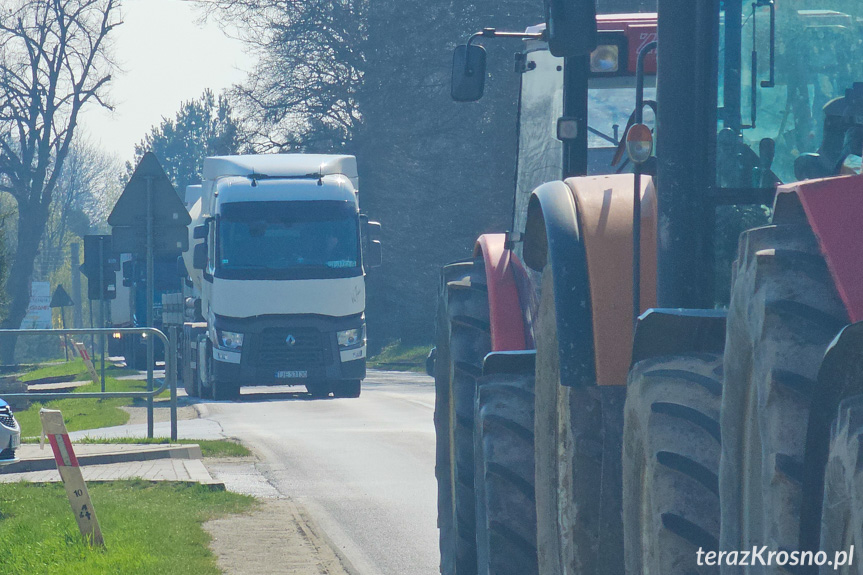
231 339
350 337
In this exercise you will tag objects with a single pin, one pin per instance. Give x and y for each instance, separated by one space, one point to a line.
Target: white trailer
278 253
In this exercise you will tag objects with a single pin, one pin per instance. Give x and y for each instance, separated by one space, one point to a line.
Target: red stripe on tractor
834 208
507 325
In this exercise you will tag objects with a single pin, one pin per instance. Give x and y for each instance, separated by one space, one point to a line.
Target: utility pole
77 316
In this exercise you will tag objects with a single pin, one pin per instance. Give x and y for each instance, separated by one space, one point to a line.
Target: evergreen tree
203 127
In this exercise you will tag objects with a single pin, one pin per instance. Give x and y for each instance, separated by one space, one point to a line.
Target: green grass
209 447
148 529
75 368
81 414
398 357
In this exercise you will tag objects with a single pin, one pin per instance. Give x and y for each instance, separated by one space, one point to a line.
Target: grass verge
148 528
81 414
209 447
75 368
396 356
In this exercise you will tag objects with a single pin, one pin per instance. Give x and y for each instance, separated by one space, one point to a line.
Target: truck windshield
283 240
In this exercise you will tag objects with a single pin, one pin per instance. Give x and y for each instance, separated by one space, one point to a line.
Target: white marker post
70 472
82 351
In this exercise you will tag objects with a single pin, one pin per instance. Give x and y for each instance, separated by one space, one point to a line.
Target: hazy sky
166 57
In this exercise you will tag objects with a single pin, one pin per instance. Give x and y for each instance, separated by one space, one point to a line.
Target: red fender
505 313
834 208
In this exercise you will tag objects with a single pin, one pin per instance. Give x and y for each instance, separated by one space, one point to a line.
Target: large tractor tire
577 501
842 512
784 312
671 449
463 340
505 502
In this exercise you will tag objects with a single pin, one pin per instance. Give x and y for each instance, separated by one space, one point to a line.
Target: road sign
167 209
150 218
38 313
60 298
166 239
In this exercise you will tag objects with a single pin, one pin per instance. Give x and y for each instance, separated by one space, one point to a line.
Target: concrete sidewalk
181 470
32 458
111 462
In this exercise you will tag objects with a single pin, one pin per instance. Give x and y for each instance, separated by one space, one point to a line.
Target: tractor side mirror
200 232
468 73
571 27
199 256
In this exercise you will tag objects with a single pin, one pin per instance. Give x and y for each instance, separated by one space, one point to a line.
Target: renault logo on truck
291 340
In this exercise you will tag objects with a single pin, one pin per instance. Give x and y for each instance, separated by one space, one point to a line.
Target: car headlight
350 337
231 339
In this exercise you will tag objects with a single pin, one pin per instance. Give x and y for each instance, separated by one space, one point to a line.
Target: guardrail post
171 363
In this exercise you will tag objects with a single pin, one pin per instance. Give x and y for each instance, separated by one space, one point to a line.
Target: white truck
278 253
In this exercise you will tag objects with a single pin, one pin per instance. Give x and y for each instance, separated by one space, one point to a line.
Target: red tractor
570 442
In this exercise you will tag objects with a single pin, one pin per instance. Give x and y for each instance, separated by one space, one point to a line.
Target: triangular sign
131 207
60 298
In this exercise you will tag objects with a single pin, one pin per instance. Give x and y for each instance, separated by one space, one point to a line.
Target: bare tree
303 93
86 190
54 60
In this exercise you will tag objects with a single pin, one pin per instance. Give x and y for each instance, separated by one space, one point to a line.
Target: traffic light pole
150 280
101 309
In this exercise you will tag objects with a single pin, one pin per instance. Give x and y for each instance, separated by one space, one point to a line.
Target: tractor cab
542 125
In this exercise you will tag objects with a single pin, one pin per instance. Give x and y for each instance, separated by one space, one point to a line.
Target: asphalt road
363 468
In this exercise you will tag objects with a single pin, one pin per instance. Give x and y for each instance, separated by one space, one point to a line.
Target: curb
191 451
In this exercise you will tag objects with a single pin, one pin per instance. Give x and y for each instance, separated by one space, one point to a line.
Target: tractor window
789 123
818 56
540 153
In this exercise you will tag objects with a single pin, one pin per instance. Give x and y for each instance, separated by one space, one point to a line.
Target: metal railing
169 381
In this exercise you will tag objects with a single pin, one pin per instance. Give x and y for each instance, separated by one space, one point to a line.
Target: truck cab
277 257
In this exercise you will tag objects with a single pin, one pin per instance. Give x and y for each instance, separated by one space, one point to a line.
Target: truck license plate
292 374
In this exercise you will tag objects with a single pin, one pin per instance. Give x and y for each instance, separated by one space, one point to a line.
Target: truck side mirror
374 256
373 230
199 256
468 73
372 252
571 27
200 232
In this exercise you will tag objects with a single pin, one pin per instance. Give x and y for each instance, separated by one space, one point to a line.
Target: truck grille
310 349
